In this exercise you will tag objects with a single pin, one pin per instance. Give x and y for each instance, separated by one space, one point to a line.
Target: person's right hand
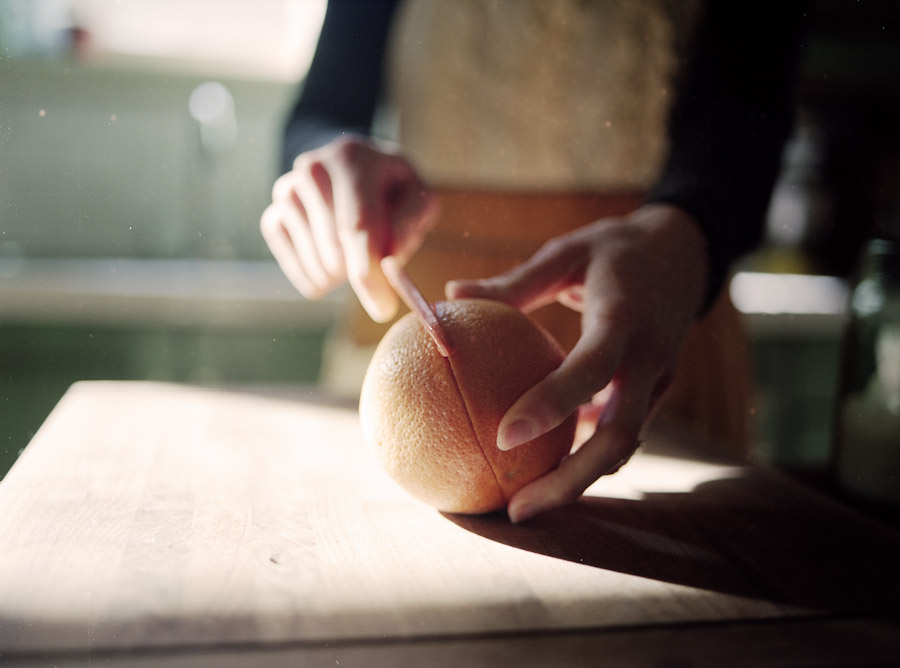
338 212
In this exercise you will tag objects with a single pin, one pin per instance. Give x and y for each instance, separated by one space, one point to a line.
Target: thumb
412 210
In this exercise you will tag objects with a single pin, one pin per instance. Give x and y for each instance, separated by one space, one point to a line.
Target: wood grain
158 516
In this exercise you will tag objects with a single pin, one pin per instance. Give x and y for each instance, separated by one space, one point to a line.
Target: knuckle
302 161
282 188
270 222
310 170
553 248
348 149
310 165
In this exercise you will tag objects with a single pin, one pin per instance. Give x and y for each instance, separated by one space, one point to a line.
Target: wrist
682 243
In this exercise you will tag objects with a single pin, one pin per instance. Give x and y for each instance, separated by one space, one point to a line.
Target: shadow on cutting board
750 535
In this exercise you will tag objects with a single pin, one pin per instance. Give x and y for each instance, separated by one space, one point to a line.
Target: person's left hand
639 282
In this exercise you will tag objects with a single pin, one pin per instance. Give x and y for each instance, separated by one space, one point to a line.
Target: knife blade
409 293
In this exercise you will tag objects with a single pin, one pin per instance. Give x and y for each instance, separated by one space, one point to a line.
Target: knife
409 293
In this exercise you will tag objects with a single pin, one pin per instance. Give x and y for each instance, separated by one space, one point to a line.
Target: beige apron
531 118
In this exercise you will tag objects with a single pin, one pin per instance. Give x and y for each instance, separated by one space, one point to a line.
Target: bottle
866 464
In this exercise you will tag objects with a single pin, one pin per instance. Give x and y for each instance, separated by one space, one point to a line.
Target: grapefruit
432 420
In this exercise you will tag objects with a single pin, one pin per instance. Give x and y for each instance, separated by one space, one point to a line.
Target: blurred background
139 140
138 145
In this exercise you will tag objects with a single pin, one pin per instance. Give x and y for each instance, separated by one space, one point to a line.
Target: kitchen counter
158 524
154 292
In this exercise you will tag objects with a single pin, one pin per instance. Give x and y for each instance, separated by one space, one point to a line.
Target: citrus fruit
432 420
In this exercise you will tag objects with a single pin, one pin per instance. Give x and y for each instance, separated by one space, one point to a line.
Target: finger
588 414
363 234
298 230
613 443
556 267
314 182
659 391
366 278
413 211
282 248
295 221
585 370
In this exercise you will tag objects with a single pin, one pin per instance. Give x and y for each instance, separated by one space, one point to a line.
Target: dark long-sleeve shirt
727 127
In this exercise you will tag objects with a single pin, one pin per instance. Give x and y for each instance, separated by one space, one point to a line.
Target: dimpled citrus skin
432 421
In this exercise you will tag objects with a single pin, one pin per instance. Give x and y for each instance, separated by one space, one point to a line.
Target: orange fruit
432 421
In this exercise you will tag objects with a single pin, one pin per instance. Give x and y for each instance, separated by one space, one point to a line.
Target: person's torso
551 95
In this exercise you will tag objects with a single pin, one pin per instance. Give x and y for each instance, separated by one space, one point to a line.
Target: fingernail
519 432
523 513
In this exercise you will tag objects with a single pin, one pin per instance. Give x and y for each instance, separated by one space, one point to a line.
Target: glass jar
867 432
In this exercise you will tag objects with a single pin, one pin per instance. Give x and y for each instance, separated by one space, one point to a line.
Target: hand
338 212
638 281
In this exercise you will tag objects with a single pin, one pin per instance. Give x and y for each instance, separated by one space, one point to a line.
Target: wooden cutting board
154 515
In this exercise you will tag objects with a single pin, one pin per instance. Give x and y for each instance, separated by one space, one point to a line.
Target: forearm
343 86
729 124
